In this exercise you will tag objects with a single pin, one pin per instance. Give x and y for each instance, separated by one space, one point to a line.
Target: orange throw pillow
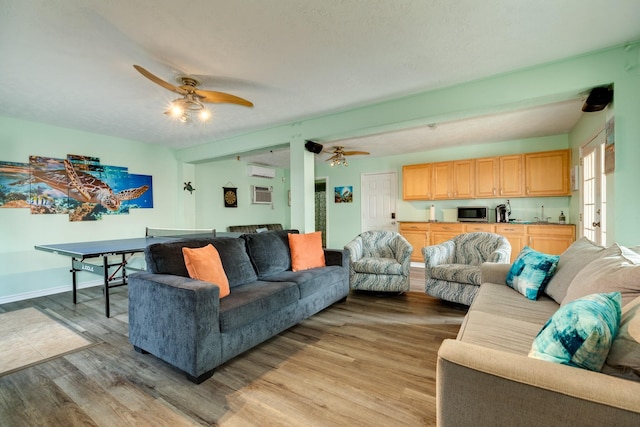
205 264
306 251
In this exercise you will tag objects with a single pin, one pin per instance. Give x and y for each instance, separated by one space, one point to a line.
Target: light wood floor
367 362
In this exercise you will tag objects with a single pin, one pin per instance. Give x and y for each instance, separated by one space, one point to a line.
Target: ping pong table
82 251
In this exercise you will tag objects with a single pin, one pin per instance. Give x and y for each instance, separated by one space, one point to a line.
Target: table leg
74 280
105 261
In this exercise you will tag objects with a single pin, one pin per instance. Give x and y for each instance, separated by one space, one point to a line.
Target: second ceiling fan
338 157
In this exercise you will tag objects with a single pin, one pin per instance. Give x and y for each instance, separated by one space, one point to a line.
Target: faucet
542 217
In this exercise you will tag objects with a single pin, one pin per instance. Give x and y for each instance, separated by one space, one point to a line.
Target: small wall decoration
79 186
343 194
188 187
610 147
230 197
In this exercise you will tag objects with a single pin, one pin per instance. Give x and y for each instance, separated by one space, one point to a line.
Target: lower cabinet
550 239
441 232
416 233
515 234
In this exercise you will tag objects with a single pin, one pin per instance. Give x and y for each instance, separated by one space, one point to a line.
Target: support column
302 183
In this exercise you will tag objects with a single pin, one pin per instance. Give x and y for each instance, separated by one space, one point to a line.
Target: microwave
473 213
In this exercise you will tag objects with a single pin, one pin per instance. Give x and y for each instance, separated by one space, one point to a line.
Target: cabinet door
547 173
463 174
442 174
417 235
516 235
416 182
487 172
511 176
442 232
551 239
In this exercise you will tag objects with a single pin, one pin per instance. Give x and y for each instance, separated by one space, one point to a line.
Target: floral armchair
380 262
452 268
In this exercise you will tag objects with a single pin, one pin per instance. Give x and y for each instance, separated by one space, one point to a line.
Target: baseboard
48 291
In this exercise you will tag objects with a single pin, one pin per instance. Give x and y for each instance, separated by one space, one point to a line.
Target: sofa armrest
494 272
176 319
337 257
499 388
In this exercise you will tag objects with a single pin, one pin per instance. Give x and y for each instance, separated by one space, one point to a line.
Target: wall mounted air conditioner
261 171
261 195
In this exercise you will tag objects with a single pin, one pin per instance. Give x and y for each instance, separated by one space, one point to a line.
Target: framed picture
343 194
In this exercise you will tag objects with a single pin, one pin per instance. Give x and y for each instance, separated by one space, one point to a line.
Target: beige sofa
485 377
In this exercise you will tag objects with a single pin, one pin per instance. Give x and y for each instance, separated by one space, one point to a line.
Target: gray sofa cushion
269 251
572 260
252 301
167 258
312 280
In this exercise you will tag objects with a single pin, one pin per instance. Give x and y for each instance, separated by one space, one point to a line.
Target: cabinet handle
494 191
528 190
501 192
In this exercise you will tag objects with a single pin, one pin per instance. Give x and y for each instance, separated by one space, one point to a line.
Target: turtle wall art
79 186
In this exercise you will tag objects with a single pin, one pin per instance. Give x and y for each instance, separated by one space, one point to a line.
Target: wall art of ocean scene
78 186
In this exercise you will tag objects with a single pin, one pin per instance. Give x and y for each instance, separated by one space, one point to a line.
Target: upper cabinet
511 177
519 175
547 173
416 182
487 177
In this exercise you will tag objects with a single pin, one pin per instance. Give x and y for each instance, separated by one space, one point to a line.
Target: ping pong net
180 232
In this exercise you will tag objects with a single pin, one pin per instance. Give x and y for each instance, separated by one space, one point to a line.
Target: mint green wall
210 212
25 272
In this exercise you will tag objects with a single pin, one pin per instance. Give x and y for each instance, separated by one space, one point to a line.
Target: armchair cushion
377 266
457 273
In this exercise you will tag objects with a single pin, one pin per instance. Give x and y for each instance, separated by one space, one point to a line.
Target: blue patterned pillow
581 332
531 271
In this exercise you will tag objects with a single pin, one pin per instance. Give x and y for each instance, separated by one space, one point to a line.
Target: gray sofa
485 377
185 323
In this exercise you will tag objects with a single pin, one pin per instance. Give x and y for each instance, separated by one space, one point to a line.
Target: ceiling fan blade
159 81
221 97
351 153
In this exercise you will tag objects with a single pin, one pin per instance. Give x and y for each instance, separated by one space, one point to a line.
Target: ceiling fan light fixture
204 115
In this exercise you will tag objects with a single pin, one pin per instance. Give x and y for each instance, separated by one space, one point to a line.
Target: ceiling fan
338 157
192 97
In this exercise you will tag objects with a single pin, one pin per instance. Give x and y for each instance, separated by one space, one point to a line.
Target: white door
379 196
594 190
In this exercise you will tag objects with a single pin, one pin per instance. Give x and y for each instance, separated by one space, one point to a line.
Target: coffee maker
502 213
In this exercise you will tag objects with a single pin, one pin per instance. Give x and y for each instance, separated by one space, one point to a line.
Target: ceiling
69 62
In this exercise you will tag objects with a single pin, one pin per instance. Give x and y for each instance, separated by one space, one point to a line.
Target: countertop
494 223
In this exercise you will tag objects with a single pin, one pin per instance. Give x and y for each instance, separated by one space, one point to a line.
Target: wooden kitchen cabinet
482 227
547 173
515 234
441 174
551 239
487 177
417 233
463 179
416 182
452 180
511 175
441 232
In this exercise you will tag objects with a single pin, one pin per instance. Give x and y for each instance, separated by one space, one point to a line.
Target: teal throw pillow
581 332
531 271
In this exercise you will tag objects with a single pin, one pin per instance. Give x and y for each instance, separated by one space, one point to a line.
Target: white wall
26 272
